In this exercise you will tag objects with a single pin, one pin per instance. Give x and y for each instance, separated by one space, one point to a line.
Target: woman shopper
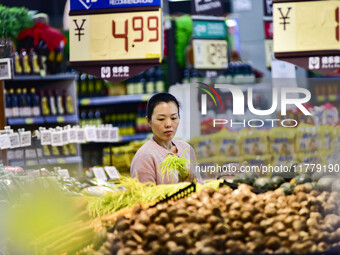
163 118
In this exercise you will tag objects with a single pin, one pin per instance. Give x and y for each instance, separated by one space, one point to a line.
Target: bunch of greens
135 192
13 20
174 163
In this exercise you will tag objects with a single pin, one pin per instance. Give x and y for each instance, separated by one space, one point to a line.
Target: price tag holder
46 137
5 141
64 173
81 136
91 134
5 69
210 54
14 139
57 139
64 136
114 135
105 134
25 138
72 136
112 172
99 173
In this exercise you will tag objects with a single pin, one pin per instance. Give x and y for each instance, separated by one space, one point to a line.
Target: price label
99 173
46 137
306 26
25 138
72 135
105 135
81 136
64 136
57 139
5 69
14 139
5 141
116 36
64 173
114 134
112 172
91 134
210 54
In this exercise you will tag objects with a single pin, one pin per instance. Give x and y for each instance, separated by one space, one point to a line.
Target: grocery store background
89 100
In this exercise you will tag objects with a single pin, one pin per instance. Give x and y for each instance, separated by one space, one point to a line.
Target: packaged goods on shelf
307 144
282 141
254 142
45 102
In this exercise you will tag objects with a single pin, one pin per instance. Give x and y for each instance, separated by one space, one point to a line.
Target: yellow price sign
116 36
306 26
210 54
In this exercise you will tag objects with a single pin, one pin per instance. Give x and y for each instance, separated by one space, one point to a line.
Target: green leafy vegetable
13 20
174 163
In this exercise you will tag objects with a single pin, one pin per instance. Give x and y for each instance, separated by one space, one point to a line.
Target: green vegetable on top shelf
13 20
174 163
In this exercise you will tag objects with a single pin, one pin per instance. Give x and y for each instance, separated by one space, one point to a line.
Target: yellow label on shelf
116 36
145 98
85 101
61 161
60 119
29 121
306 26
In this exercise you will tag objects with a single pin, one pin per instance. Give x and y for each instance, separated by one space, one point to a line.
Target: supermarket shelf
47 161
64 76
130 138
114 100
61 119
25 121
43 120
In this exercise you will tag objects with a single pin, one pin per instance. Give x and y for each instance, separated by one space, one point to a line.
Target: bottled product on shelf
90 86
149 82
35 103
129 123
20 103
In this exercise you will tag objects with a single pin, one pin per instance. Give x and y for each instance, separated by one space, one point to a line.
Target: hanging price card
210 54
307 33
117 36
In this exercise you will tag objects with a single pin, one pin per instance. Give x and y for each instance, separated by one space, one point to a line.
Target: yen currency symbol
79 29
284 17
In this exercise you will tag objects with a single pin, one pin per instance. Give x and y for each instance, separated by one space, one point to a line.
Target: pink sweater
147 159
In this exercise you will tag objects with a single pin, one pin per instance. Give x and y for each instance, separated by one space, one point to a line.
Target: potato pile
227 221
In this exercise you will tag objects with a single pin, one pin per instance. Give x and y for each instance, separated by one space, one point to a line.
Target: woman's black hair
160 98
